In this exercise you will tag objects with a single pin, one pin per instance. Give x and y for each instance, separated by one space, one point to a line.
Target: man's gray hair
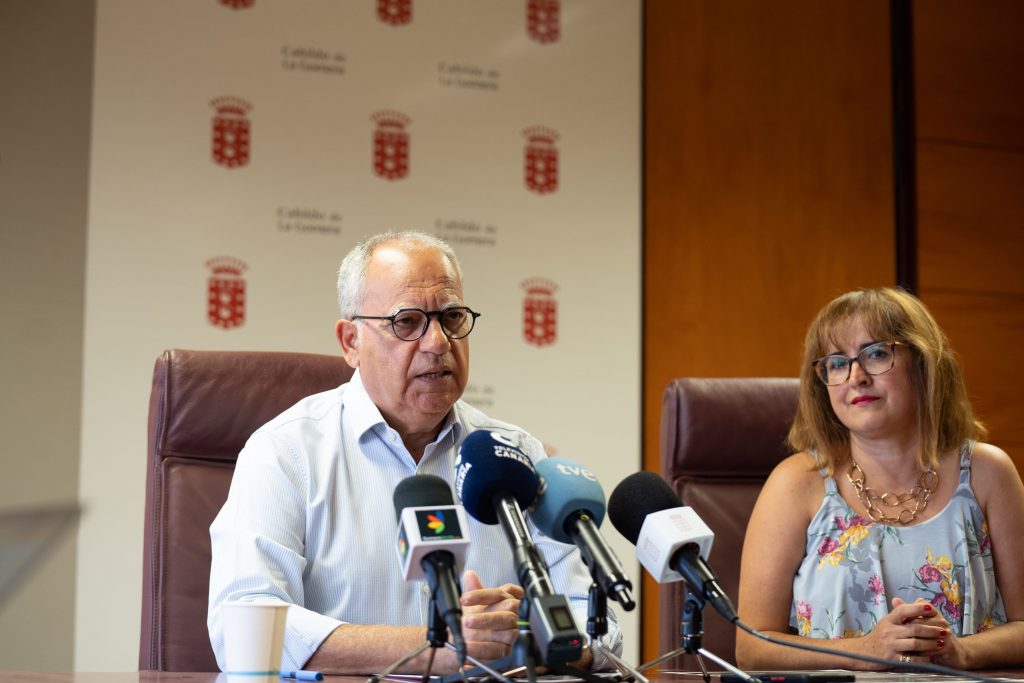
352 273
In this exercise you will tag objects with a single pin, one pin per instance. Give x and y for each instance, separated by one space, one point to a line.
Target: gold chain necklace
926 483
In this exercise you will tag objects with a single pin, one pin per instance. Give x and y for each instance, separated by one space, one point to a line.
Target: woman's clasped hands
915 632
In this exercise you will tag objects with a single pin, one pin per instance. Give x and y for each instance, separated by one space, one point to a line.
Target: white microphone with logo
433 539
671 540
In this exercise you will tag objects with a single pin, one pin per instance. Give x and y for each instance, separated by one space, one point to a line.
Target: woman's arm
772 551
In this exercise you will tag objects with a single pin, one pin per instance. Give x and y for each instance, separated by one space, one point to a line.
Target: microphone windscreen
491 465
421 490
566 488
637 496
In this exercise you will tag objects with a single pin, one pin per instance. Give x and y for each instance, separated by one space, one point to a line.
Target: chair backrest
720 439
203 407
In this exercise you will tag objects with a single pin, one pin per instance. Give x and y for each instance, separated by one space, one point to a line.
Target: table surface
209 677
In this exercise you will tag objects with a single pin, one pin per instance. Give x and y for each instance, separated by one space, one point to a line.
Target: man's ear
348 337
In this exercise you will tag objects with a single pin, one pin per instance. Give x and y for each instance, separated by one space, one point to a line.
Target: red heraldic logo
237 4
231 131
391 145
225 292
542 20
540 311
541 159
394 12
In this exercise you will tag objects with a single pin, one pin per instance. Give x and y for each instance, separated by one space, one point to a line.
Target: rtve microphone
495 480
433 538
570 509
671 540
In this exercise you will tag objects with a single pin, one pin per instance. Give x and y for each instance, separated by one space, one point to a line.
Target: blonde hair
944 414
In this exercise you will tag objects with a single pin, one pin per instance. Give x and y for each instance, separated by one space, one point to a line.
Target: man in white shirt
309 519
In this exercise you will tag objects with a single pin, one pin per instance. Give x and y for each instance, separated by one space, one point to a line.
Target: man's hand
489 617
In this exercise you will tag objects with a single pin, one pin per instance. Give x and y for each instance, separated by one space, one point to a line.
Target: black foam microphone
570 509
671 540
495 480
433 538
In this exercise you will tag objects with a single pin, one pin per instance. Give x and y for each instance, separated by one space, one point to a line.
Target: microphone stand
521 655
692 630
524 656
437 637
597 628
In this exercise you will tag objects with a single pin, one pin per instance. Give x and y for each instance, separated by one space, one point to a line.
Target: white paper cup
253 640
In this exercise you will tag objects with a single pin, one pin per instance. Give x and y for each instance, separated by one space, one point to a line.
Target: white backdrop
234 147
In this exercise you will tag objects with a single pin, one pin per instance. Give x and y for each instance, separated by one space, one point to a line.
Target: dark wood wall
969 61
768 189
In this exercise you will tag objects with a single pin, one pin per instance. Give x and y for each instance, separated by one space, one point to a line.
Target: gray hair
352 273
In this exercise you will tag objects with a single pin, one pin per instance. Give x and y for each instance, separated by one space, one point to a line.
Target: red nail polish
942 643
928 608
943 633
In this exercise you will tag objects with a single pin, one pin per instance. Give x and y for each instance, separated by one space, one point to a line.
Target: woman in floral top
892 532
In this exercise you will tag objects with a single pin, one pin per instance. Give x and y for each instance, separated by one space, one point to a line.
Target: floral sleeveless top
853 567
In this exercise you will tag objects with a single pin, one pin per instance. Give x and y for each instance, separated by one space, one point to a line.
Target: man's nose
434 339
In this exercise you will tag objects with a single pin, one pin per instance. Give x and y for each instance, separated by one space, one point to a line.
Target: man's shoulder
312 408
474 419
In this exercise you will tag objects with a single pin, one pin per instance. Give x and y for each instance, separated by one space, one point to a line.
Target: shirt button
426 589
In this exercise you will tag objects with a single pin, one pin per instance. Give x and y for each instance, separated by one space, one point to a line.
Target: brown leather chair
720 438
203 407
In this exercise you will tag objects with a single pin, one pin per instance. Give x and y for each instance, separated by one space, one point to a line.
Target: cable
892 664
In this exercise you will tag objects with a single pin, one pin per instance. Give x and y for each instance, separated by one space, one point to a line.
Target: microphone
433 539
495 480
671 540
570 509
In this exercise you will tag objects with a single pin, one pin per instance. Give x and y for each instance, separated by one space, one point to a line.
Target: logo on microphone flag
225 292
540 159
231 131
542 20
391 145
540 311
435 525
394 12
403 544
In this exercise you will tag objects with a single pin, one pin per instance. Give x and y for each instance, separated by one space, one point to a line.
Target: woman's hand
916 632
945 647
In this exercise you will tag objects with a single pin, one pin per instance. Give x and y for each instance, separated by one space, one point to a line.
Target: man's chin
437 404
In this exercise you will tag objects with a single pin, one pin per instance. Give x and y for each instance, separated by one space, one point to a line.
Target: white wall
159 209
46 78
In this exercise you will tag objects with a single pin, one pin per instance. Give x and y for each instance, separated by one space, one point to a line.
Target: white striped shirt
309 521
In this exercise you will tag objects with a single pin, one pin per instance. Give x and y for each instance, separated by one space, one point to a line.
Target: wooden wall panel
968 59
970 219
768 187
970 157
984 329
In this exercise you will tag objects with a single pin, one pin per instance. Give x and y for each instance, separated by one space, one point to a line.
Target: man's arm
257 544
489 626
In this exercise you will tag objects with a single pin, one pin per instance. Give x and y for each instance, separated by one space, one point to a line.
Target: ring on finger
904 658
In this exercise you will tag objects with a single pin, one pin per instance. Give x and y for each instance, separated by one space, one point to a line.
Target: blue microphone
570 509
495 479
491 465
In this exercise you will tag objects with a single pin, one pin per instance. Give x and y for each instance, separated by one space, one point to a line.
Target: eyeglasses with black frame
409 324
875 359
